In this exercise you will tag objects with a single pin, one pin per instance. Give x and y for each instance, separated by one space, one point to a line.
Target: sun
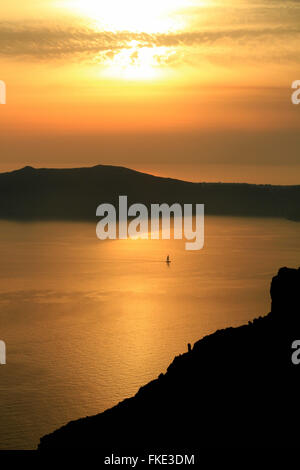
130 15
136 62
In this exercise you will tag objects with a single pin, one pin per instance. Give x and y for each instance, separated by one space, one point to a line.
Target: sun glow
134 60
131 15
137 62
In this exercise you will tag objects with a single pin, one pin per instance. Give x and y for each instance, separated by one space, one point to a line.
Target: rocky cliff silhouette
74 194
235 388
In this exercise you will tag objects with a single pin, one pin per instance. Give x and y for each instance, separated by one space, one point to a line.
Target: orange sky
183 88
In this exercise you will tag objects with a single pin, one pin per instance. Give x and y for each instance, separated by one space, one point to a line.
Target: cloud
77 43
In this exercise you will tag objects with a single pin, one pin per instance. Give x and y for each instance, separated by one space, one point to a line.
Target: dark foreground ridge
235 388
74 194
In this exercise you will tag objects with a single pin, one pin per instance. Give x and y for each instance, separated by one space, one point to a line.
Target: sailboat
168 261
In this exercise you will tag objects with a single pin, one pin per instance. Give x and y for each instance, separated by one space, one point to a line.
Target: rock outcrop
235 388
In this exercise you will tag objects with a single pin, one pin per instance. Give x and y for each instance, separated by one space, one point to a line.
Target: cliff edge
235 388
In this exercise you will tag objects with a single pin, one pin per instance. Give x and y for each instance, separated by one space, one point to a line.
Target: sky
193 89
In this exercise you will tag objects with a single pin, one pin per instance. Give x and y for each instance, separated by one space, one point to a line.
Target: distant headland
74 194
238 387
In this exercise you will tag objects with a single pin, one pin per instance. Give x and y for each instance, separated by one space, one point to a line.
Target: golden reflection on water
88 322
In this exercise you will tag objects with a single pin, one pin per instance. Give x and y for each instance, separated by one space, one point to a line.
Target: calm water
87 322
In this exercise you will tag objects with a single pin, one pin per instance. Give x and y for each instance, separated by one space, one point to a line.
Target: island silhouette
74 194
238 387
